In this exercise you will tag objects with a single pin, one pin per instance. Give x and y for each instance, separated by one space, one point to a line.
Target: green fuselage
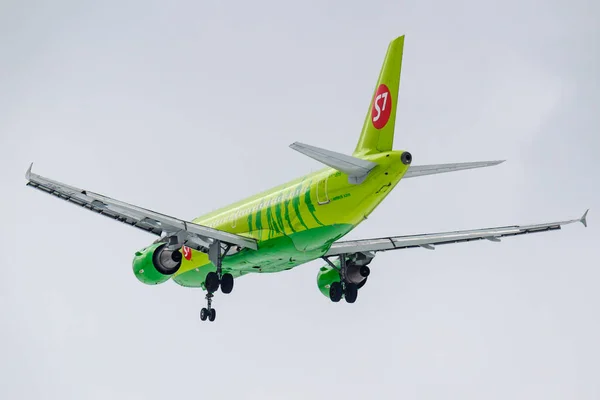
296 222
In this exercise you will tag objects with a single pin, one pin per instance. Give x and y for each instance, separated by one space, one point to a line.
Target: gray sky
183 107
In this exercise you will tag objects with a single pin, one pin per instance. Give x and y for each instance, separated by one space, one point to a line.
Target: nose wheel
208 312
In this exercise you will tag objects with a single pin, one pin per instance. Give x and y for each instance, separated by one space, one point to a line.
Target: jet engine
357 272
156 263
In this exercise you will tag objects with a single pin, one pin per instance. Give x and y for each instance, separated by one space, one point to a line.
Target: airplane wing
430 240
420 170
193 235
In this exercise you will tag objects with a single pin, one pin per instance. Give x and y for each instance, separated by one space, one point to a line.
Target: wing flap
150 221
435 239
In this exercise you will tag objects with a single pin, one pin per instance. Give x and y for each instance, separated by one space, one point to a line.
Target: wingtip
28 173
583 219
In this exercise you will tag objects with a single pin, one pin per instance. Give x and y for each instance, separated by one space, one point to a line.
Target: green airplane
296 222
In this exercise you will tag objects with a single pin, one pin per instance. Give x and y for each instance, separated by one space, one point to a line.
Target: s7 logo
382 107
383 96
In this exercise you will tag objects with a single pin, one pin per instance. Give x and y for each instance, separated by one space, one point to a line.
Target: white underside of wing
430 240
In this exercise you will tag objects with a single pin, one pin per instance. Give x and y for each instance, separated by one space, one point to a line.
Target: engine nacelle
156 263
357 272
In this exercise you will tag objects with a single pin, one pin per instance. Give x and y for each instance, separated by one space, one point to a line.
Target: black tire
158 265
203 314
227 283
351 292
335 292
212 314
212 282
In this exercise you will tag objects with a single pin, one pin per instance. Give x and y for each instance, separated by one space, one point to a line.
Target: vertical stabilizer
378 130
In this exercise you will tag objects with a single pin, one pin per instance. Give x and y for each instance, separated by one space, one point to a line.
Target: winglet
28 173
583 219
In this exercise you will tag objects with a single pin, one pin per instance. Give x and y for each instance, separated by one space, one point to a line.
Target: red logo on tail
187 253
382 107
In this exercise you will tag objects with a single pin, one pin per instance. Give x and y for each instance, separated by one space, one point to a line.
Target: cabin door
322 196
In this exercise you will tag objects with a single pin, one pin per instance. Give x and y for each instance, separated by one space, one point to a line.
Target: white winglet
583 219
28 173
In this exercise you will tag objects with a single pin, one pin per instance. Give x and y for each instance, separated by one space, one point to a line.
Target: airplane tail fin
378 130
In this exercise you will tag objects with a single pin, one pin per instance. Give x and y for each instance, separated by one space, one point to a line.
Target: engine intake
155 264
166 261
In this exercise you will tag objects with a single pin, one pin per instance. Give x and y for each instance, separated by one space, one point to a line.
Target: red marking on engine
187 253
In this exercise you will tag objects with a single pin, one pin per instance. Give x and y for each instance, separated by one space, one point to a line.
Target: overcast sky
186 106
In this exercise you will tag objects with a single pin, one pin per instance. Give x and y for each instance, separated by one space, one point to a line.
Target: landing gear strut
216 280
345 286
208 312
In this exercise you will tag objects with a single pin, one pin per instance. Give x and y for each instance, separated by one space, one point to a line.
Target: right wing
429 240
193 235
420 170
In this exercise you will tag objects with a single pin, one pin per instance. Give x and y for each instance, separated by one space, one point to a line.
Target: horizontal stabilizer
420 170
356 168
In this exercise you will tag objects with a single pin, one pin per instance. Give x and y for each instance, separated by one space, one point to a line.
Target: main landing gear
216 280
348 286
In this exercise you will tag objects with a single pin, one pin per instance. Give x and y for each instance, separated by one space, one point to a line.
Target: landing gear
208 312
351 292
353 275
227 283
205 313
216 280
335 291
213 282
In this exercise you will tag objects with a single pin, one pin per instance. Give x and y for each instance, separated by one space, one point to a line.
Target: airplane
297 222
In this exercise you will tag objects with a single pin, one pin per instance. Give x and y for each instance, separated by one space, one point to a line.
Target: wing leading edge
192 235
430 240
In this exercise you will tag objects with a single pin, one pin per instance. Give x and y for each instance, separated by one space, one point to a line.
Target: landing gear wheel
351 292
203 314
212 314
335 292
212 282
227 283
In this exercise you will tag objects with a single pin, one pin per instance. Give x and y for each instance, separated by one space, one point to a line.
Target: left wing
179 231
429 240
